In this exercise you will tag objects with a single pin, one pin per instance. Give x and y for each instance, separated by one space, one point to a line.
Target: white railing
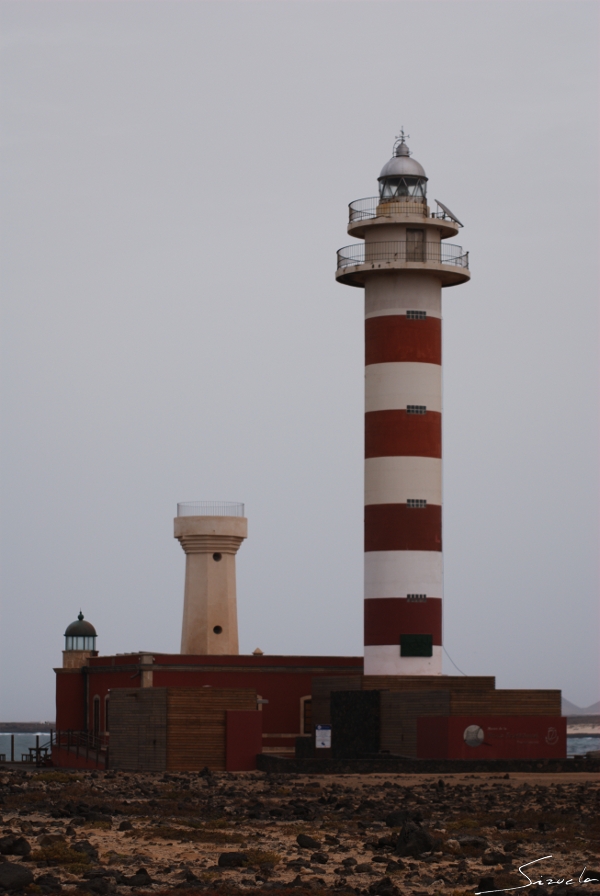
210 508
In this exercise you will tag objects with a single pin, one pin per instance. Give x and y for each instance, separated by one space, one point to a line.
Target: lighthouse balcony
373 211
448 262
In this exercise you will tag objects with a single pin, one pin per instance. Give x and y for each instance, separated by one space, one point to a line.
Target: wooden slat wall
399 713
196 725
138 728
483 683
507 703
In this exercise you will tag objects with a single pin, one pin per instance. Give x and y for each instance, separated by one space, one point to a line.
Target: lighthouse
403 264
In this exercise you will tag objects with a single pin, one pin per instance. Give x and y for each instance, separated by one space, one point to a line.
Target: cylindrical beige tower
210 533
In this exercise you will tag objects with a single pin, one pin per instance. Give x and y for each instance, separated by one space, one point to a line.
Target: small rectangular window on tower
416 598
416 502
416 409
416 315
416 645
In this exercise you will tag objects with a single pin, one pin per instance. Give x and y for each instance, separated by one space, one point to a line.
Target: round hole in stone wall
217 629
217 556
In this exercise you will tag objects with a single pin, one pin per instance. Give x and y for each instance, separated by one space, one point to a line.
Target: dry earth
381 835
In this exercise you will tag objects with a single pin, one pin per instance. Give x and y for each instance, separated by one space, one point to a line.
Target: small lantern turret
80 643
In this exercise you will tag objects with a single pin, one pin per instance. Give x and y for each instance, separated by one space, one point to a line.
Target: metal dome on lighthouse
80 643
80 635
402 175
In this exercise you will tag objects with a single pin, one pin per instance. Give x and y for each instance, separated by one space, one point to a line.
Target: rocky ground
380 835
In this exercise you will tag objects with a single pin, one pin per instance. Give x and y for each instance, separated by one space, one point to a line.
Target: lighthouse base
412 716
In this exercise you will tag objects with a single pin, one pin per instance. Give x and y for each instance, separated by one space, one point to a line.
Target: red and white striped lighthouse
403 265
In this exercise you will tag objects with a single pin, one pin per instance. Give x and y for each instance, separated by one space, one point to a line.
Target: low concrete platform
402 765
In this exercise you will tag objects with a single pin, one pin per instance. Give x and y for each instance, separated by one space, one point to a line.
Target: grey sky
175 185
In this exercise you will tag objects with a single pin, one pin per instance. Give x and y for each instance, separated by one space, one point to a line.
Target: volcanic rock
306 842
233 860
397 818
413 840
493 857
14 876
85 847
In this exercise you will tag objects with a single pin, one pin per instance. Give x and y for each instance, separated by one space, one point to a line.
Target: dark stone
49 839
14 876
509 824
394 866
85 847
473 842
98 816
333 841
486 883
14 846
384 887
319 857
298 864
48 883
205 773
493 857
349 861
6 844
125 826
306 842
363 868
232 860
100 886
397 818
140 879
413 840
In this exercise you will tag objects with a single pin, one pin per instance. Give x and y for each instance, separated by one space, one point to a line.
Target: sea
22 743
576 746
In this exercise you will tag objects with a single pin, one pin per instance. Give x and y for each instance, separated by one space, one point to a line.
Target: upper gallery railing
210 508
367 253
374 207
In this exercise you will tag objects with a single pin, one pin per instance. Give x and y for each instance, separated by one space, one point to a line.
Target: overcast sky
175 183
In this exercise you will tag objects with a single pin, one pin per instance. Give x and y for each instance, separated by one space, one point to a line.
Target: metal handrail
367 253
210 508
375 207
82 743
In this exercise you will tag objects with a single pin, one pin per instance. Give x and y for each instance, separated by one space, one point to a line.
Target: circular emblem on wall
552 736
473 736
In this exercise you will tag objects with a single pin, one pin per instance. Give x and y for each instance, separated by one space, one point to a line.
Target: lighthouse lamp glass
397 187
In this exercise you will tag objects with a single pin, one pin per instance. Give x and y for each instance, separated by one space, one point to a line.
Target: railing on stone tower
395 251
374 207
210 508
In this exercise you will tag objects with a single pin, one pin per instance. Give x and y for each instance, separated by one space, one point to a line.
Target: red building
283 685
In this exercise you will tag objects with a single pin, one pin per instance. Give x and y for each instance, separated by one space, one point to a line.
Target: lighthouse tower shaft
402 265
